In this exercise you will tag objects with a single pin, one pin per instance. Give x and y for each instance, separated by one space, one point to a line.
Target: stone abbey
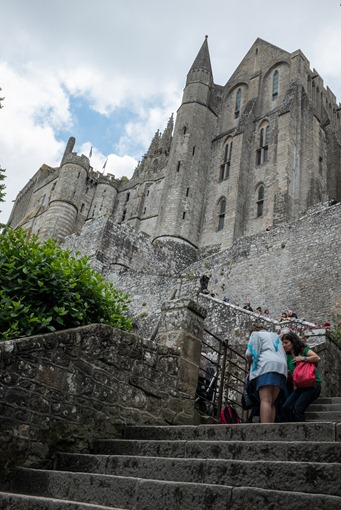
255 152
259 152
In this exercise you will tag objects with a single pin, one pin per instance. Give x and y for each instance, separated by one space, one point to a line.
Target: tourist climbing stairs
206 467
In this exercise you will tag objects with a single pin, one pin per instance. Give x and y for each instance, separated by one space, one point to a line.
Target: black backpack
229 415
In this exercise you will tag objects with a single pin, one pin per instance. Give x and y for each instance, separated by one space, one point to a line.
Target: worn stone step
314 477
242 450
324 407
328 400
10 501
140 494
318 416
239 432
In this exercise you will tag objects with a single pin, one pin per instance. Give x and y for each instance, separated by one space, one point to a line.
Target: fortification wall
112 246
295 265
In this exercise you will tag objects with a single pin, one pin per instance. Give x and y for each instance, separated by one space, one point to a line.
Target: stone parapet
74 386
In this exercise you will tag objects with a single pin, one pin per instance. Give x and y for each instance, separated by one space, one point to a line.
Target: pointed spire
155 144
202 60
166 137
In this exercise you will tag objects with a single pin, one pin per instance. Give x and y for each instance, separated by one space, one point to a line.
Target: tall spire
167 135
202 60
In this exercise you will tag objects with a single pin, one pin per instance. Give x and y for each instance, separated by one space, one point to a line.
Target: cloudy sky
111 72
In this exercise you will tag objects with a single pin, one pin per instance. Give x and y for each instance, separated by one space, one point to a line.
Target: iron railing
221 377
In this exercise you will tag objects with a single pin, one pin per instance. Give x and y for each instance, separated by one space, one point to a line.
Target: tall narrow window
178 167
275 81
224 172
260 201
238 102
221 215
263 147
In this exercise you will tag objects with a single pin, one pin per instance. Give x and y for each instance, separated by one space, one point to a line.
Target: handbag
249 398
304 375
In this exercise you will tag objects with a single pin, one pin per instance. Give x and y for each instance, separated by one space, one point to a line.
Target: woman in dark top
300 398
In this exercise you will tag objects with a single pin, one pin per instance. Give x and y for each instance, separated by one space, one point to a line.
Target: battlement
76 159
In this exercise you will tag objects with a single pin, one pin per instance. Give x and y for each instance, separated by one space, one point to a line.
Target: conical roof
202 60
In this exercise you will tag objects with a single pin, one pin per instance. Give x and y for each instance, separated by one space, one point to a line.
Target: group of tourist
285 316
273 359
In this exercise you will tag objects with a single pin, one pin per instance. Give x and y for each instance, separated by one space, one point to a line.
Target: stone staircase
222 467
325 409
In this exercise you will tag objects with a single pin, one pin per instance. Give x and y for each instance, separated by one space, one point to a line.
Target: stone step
239 432
318 416
139 494
241 450
328 400
316 477
10 501
324 407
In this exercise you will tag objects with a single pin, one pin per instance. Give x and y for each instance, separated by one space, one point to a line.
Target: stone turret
65 204
105 196
186 178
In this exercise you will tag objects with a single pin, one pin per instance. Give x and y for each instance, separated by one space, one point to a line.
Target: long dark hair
297 343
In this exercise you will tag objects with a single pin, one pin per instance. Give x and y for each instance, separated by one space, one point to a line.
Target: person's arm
310 357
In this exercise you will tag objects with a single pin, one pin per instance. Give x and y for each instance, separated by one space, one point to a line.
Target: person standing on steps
300 398
268 368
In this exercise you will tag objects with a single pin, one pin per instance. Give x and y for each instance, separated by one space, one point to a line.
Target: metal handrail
211 394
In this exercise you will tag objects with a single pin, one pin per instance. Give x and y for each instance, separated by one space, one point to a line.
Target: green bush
43 288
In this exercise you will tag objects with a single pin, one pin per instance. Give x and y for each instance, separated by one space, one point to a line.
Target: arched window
260 201
238 102
263 147
224 172
221 214
275 80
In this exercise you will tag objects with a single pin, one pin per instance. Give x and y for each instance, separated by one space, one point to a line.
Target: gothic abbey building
256 152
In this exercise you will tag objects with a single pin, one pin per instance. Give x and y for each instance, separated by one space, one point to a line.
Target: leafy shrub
336 331
43 288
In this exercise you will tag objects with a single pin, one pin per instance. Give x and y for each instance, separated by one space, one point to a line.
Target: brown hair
257 326
297 342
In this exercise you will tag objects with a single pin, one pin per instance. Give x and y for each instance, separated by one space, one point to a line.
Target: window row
262 152
259 206
238 98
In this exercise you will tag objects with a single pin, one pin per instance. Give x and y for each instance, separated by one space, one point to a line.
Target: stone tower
186 178
67 195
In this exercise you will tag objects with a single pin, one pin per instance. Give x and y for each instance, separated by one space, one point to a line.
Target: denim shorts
271 379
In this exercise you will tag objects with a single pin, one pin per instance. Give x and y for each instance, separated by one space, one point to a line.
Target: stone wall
110 245
293 266
63 390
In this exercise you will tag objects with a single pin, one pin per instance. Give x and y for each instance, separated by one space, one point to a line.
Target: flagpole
105 164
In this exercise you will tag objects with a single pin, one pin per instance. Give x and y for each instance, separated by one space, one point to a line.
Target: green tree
44 288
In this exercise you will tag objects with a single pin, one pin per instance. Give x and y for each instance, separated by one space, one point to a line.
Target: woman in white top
268 368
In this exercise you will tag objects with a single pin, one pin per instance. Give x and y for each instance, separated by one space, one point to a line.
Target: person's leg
287 408
307 396
268 395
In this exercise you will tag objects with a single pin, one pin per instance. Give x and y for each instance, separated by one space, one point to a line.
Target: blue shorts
271 379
